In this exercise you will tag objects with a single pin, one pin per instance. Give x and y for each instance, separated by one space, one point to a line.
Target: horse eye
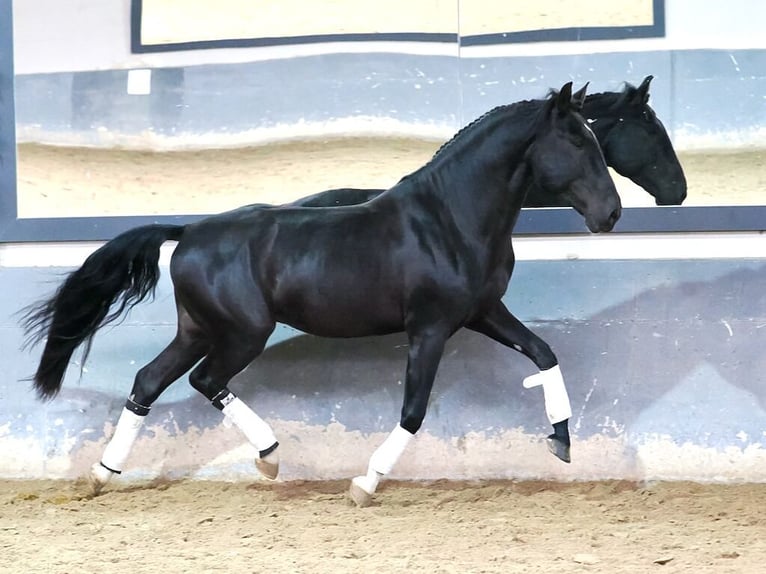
647 116
578 141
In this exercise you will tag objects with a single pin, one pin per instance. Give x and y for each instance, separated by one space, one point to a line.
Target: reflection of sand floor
66 182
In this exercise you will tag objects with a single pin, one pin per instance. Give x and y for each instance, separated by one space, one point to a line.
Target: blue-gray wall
663 361
662 357
706 98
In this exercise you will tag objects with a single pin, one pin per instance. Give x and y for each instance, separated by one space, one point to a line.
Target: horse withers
426 257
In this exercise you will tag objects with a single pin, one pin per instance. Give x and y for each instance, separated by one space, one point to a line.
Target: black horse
427 257
633 139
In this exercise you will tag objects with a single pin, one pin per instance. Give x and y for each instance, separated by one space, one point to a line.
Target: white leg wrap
368 483
555 392
384 458
118 449
257 430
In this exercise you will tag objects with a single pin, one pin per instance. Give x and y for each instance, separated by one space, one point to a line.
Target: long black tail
121 273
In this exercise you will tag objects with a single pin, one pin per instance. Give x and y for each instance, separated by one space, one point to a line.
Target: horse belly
342 315
339 308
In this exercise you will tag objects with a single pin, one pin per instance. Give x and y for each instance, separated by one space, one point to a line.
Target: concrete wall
663 360
662 357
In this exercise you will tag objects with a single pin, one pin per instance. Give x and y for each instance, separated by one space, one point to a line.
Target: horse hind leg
183 352
229 356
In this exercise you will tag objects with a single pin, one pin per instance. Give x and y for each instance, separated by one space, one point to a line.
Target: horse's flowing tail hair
121 273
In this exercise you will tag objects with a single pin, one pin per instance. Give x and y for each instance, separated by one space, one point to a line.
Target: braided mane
520 108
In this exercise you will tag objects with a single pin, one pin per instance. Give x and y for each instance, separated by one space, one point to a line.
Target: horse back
343 271
319 270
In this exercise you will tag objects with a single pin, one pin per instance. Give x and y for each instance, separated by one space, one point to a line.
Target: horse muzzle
603 222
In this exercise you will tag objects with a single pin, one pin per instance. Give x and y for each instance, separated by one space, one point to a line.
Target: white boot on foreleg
381 463
557 407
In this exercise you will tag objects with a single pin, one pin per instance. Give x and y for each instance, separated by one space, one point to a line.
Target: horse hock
557 407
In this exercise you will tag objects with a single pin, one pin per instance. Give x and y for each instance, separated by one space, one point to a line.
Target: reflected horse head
635 143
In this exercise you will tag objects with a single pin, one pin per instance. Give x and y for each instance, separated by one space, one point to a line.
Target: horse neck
478 177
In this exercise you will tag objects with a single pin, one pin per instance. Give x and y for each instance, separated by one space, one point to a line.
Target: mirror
171 109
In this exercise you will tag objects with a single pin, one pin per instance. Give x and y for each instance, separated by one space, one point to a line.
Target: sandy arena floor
529 527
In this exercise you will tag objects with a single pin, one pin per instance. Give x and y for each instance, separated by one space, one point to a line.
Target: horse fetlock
257 431
98 476
125 435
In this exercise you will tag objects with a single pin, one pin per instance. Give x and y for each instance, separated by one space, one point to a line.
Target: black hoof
559 448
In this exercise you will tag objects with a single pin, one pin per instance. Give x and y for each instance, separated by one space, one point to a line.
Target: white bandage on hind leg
257 430
384 458
555 392
118 449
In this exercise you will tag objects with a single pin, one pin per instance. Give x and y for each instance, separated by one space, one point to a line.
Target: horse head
567 161
637 146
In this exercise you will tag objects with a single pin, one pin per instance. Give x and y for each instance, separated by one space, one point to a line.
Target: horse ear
564 98
578 98
642 92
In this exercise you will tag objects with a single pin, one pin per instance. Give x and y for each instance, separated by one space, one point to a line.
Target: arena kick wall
660 336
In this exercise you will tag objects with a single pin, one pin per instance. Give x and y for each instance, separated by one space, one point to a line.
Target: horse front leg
422 362
500 324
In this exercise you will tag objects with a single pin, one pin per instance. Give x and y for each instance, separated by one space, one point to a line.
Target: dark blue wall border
560 221
657 29
7 117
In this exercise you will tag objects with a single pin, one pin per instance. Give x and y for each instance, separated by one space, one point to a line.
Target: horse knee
543 356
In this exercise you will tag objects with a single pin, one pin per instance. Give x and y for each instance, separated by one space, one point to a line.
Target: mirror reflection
213 105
